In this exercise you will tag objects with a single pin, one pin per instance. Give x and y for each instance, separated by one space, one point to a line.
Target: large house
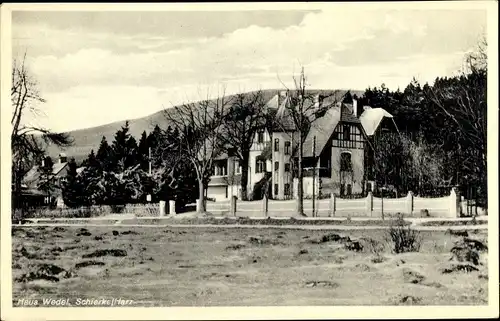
334 152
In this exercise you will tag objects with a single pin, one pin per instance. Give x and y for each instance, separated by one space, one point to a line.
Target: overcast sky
98 67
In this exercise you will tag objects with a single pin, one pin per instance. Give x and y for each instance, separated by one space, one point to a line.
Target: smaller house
225 179
32 182
375 121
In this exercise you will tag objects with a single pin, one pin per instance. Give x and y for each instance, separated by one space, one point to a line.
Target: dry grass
242 267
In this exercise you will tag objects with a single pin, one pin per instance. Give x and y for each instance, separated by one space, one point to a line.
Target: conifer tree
104 156
124 148
73 190
143 152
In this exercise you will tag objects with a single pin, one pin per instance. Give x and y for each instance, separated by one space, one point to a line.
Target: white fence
370 206
445 207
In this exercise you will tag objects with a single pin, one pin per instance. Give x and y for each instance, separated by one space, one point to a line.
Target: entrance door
349 189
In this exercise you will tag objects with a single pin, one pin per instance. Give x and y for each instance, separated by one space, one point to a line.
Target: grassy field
241 267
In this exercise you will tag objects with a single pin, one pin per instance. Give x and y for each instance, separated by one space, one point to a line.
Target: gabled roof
371 119
273 102
322 129
33 176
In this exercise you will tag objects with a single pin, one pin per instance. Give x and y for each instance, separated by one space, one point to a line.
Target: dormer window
62 158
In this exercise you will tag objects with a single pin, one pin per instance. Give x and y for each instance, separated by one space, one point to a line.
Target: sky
95 68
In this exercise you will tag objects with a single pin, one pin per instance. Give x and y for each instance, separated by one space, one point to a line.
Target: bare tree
200 127
302 108
463 102
245 117
404 164
28 141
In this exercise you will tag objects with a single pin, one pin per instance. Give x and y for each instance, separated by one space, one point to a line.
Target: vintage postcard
249 160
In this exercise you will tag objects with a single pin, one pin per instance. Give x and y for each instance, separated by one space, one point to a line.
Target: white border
309 312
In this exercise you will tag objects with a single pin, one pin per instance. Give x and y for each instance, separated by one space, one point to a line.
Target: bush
17 215
117 208
260 188
403 238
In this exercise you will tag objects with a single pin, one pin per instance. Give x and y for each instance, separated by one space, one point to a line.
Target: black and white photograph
300 156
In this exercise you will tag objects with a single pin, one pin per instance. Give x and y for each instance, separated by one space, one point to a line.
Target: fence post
171 207
333 205
454 203
409 203
162 208
265 203
369 204
233 205
198 205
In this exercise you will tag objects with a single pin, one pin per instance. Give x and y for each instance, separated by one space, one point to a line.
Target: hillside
84 140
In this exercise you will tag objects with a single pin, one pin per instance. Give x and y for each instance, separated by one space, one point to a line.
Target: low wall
410 206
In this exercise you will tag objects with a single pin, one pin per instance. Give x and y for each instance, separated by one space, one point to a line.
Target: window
275 189
260 166
345 162
226 192
347 132
236 167
348 136
287 189
220 168
276 166
276 145
287 148
287 167
260 137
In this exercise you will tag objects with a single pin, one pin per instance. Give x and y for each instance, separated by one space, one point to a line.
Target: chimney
317 101
281 96
62 158
355 107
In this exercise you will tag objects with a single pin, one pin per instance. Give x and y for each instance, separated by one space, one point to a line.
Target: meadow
217 266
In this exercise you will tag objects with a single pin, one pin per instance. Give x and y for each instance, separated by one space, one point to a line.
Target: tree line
442 131
119 173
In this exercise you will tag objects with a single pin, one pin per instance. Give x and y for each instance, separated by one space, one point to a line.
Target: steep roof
322 129
371 119
33 175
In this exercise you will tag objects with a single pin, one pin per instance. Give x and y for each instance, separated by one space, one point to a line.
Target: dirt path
293 227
